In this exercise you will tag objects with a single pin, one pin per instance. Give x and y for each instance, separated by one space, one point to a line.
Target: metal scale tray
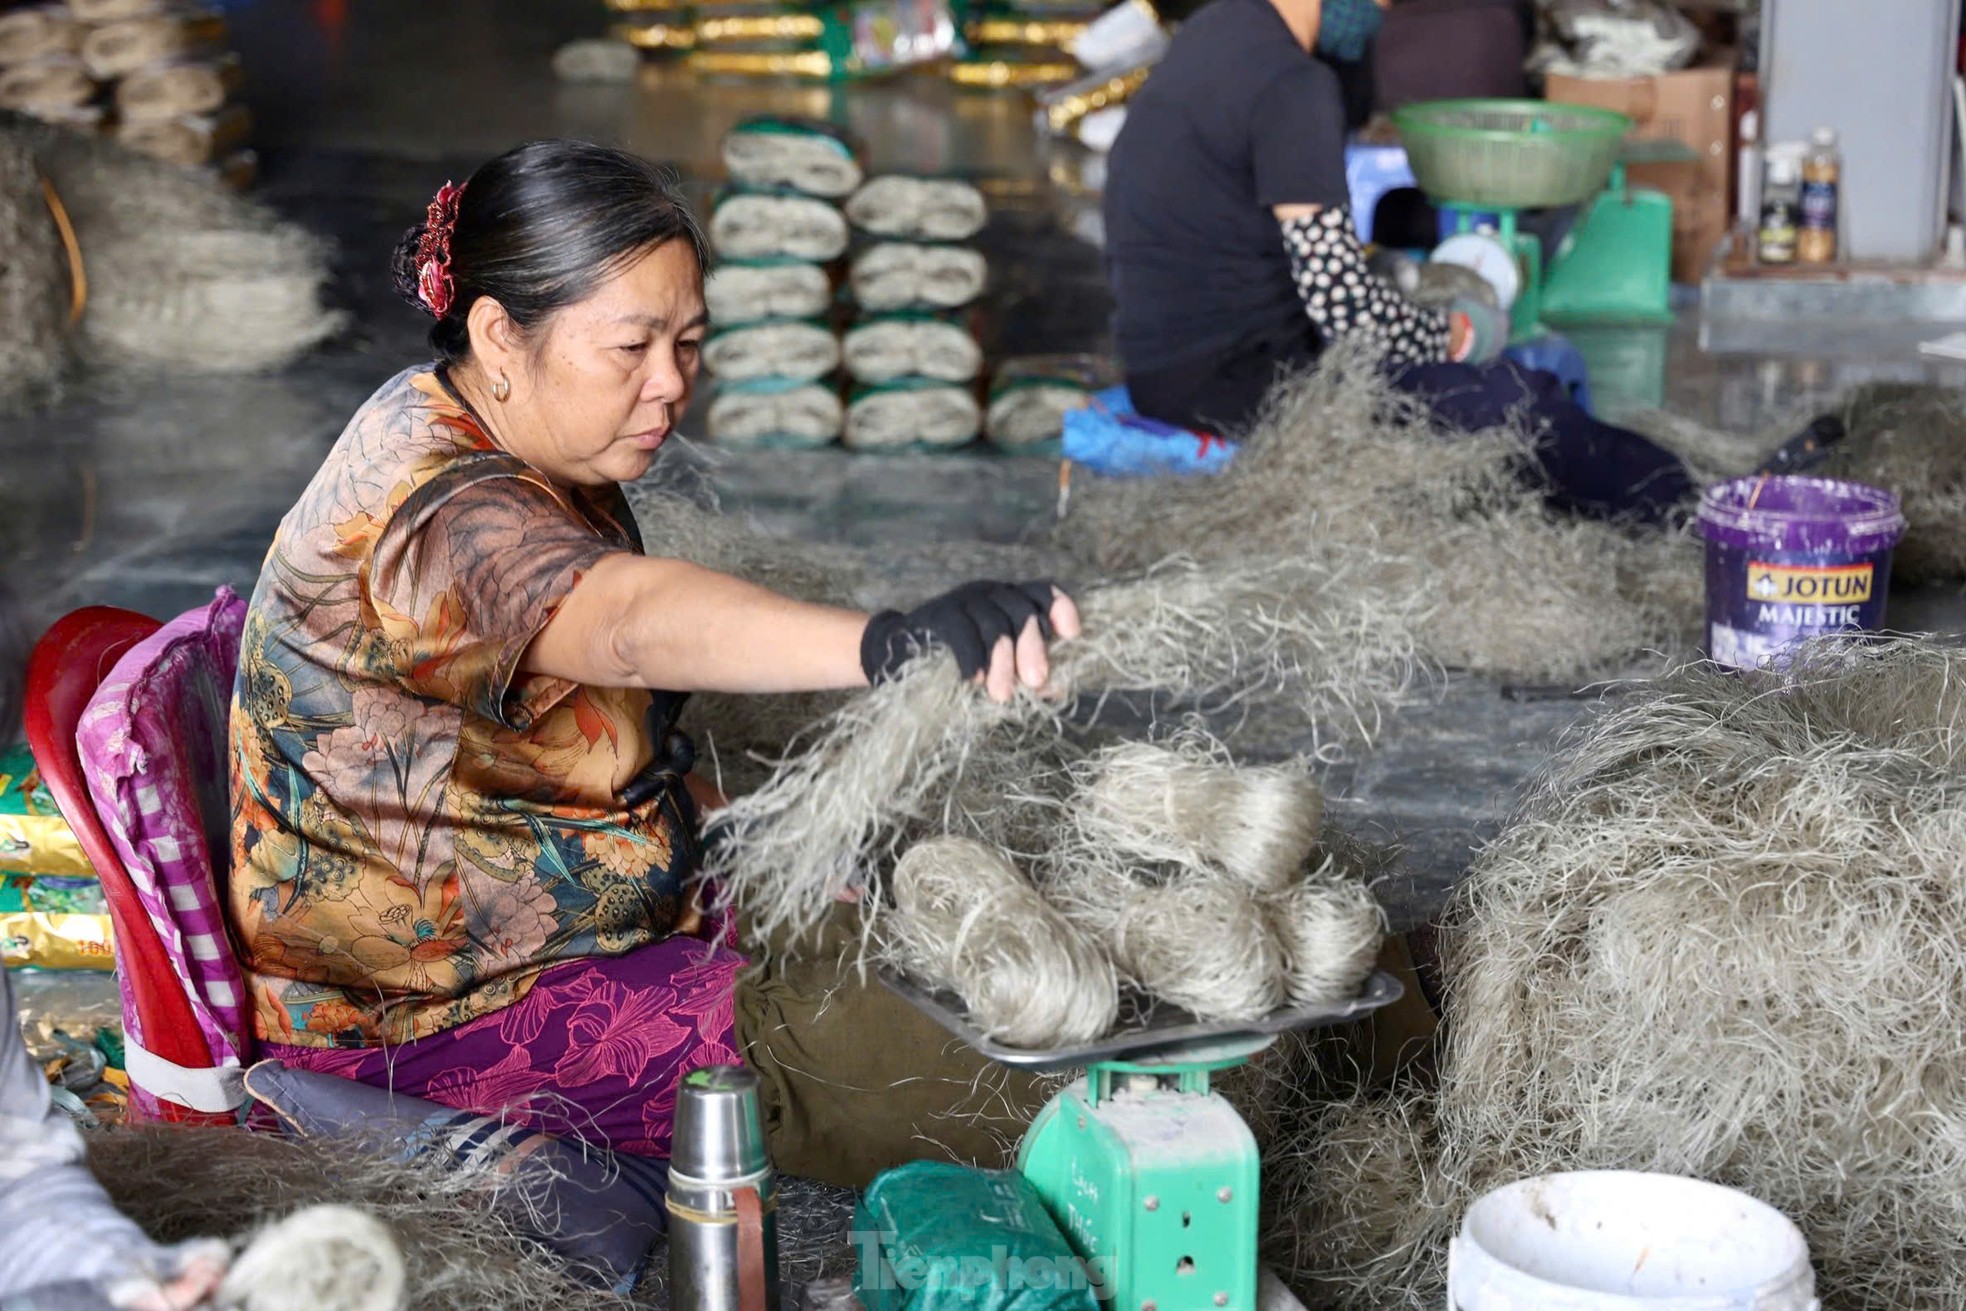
1147 1028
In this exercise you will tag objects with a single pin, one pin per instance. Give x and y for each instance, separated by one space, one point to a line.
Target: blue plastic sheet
1108 436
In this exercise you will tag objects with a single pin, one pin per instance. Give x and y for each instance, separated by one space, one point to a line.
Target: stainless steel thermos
723 1197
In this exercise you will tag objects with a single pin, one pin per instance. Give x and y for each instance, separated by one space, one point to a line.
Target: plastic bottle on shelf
1822 176
1748 203
1781 199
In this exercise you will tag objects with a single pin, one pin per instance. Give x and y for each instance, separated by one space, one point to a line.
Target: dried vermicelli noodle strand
831 816
966 918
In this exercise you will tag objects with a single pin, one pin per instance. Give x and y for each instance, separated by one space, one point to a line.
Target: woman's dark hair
541 227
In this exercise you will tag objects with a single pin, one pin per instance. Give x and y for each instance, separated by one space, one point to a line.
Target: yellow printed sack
54 923
34 838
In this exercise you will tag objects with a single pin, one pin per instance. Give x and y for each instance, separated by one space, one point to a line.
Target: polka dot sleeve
1344 297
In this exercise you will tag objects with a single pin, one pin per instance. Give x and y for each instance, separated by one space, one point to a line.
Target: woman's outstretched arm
633 621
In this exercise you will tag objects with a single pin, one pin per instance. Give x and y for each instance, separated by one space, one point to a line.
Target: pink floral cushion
153 744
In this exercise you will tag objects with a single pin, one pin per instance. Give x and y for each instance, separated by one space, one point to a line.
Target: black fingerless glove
968 621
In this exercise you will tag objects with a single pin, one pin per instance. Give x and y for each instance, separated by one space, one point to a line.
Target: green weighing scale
1149 1171
1483 162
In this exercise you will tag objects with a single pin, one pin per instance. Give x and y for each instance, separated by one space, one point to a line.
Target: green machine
1484 162
1151 1174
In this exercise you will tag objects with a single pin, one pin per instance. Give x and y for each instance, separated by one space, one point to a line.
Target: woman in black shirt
1234 258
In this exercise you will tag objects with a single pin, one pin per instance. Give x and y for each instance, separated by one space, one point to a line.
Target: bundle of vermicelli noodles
965 917
1154 803
926 755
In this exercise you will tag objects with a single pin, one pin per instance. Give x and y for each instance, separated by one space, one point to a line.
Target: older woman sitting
463 820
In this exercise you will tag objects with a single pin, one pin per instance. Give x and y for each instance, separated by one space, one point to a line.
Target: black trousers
1587 467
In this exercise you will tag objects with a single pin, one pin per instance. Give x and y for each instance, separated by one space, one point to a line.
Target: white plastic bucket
1616 1240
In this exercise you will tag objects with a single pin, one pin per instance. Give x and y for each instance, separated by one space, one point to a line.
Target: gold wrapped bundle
1052 33
811 64
656 37
1075 102
54 924
754 29
1014 68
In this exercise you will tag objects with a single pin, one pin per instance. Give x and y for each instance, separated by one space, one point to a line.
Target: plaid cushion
153 743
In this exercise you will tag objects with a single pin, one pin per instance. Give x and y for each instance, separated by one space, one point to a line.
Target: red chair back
67 666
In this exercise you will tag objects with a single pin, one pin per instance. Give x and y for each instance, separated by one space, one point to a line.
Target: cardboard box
1696 107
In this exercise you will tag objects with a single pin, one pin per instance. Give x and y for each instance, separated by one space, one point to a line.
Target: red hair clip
433 251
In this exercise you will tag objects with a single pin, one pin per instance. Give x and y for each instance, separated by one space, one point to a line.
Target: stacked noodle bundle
778 230
1199 878
600 59
1720 938
1217 902
174 82
913 357
41 68
155 73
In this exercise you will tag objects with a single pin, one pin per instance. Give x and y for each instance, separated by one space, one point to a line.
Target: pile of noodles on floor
1039 855
1911 439
1339 457
180 273
1720 939
1908 438
457 1250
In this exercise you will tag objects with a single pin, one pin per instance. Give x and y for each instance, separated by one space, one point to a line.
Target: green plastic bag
937 1237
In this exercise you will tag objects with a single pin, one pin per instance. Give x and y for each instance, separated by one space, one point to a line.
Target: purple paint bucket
1789 559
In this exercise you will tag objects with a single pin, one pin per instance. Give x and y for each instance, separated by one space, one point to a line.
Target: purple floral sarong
594 1051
